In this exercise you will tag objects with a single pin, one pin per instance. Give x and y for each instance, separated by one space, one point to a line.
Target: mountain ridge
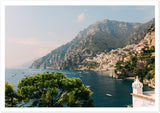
101 36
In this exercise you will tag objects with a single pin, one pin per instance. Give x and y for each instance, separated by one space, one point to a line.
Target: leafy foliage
54 90
140 64
10 95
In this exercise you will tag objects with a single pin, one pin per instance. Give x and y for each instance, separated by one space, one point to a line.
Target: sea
107 91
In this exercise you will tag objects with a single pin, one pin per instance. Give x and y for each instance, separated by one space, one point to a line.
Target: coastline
149 83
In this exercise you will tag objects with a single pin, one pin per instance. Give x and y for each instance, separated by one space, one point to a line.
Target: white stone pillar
137 86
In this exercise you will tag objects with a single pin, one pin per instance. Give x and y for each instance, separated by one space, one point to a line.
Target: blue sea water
107 91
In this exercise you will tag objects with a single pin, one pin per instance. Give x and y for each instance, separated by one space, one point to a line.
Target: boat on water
26 75
86 72
88 86
13 75
79 72
109 95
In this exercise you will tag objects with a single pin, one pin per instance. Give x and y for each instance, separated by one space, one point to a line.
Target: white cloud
81 17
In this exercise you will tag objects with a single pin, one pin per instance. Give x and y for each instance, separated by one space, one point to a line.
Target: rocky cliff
102 36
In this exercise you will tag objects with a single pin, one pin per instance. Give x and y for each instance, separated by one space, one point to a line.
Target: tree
54 90
150 75
118 65
152 49
10 95
133 61
140 72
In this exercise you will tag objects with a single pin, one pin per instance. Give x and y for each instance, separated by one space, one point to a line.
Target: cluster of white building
108 60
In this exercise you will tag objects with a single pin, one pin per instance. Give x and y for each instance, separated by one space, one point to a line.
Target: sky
34 31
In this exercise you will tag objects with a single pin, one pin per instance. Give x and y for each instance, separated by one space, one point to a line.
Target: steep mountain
108 60
149 38
99 37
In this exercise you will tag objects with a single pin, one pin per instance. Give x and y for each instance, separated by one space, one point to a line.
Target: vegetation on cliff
140 62
10 95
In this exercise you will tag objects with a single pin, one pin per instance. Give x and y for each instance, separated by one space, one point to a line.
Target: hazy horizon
33 31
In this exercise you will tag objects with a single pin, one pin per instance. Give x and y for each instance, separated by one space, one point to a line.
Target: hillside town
107 60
